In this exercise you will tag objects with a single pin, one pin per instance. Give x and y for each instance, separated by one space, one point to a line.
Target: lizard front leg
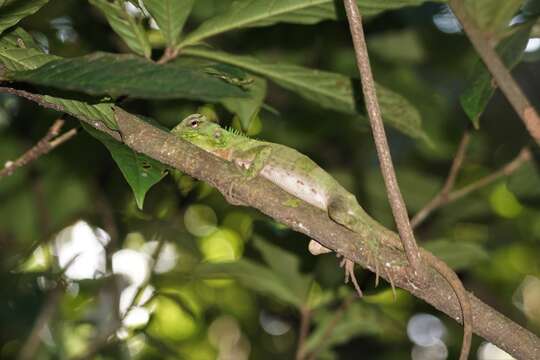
249 164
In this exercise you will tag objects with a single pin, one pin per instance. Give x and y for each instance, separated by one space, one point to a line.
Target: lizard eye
194 123
217 135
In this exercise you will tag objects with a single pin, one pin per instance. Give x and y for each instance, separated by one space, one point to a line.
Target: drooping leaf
247 108
330 90
12 11
492 16
140 171
170 15
252 13
481 85
126 26
458 255
109 74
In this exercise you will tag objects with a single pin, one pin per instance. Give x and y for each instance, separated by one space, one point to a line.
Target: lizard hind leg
348 268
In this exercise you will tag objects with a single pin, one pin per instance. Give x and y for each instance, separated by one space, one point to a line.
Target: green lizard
301 177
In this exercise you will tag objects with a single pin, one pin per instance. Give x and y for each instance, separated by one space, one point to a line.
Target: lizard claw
348 267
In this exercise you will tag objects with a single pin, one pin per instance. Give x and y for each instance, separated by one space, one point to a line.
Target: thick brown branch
399 210
500 73
442 196
272 201
50 141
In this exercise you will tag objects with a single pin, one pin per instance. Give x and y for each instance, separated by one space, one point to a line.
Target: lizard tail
463 298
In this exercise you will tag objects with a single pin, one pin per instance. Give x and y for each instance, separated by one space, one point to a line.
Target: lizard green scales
301 177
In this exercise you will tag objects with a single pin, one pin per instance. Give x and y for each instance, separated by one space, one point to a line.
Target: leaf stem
442 196
303 332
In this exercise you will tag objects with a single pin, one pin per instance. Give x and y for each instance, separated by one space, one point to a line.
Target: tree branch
442 196
272 201
399 210
500 73
43 146
303 332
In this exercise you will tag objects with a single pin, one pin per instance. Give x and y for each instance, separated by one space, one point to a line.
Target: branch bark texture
272 201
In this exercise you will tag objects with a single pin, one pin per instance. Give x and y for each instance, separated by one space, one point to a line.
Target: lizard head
200 131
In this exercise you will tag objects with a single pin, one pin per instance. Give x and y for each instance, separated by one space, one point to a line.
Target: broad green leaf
109 74
170 15
286 266
251 13
140 171
481 85
12 11
127 27
247 108
252 275
329 90
492 16
458 255
16 58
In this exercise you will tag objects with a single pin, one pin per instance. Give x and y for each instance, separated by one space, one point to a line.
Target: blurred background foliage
176 272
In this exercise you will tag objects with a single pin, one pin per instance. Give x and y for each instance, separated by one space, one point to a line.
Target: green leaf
252 13
140 171
12 11
247 108
18 51
252 275
458 255
127 27
170 15
481 85
329 90
108 74
16 58
492 16
286 266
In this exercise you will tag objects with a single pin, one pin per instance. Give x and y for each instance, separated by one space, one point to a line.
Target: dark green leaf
108 74
12 11
127 27
251 13
327 89
493 16
458 255
140 171
170 15
481 85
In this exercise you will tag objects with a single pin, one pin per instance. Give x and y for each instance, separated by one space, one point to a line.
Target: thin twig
395 198
500 73
50 141
523 157
305 321
442 196
442 199
331 326
47 312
